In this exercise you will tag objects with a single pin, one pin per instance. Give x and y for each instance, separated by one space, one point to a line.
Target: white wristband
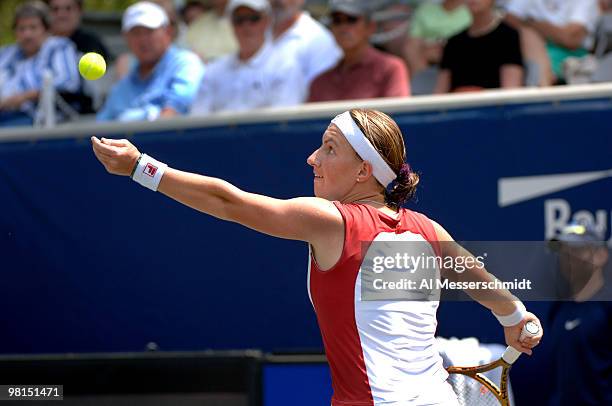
513 318
149 172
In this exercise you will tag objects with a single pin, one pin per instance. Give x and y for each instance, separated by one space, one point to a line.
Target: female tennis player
380 352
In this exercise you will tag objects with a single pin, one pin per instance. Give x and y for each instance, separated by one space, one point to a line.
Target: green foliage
107 5
7 8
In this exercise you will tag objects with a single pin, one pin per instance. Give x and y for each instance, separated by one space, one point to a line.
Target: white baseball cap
257 5
144 14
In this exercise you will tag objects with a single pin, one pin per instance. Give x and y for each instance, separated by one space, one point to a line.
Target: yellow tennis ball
92 66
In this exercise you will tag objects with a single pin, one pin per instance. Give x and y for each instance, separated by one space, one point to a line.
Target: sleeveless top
380 351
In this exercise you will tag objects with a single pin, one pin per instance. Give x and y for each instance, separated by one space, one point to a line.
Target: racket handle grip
530 329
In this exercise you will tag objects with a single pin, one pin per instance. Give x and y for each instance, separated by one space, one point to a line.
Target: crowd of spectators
238 55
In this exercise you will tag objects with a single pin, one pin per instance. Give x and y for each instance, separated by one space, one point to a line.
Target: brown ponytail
384 134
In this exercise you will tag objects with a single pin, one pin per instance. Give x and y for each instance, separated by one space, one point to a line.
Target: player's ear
365 171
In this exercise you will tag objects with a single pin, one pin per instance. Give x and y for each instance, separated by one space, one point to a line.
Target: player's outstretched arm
507 307
307 218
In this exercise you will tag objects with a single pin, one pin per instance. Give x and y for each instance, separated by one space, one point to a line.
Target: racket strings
470 392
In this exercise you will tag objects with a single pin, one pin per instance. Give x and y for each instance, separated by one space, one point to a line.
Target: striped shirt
19 73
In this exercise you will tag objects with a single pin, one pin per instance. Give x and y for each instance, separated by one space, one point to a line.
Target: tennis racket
473 388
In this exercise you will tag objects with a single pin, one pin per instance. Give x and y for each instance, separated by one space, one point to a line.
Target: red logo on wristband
150 170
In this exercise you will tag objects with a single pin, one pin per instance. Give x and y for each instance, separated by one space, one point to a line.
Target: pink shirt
378 74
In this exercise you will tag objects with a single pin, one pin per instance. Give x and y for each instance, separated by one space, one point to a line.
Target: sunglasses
252 19
339 19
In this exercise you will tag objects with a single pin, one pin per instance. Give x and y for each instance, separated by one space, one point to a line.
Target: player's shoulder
423 221
316 203
415 214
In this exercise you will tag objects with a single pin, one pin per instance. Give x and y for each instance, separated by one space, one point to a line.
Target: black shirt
581 335
476 61
86 41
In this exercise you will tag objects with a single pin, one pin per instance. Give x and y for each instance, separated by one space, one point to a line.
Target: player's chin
320 192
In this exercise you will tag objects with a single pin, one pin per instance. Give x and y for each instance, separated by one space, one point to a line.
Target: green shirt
431 21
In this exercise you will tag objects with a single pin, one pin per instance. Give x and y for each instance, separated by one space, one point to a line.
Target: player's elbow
231 208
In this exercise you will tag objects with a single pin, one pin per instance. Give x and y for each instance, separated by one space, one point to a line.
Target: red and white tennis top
379 352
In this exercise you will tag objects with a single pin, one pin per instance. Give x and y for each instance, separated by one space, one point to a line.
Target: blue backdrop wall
92 262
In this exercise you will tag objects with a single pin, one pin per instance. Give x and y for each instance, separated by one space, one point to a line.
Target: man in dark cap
581 325
364 72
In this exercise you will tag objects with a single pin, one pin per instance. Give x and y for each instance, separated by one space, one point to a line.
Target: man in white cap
165 79
254 77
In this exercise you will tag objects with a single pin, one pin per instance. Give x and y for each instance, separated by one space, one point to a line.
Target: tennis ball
92 66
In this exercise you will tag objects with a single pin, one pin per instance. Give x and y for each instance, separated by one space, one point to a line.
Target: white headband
382 172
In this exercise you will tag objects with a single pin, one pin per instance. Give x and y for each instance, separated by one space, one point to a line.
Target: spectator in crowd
211 36
393 20
431 25
256 76
192 10
165 79
66 22
127 60
364 72
485 56
23 65
298 36
177 28
552 31
580 328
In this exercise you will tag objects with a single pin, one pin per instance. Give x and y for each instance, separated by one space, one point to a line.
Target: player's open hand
523 343
118 156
